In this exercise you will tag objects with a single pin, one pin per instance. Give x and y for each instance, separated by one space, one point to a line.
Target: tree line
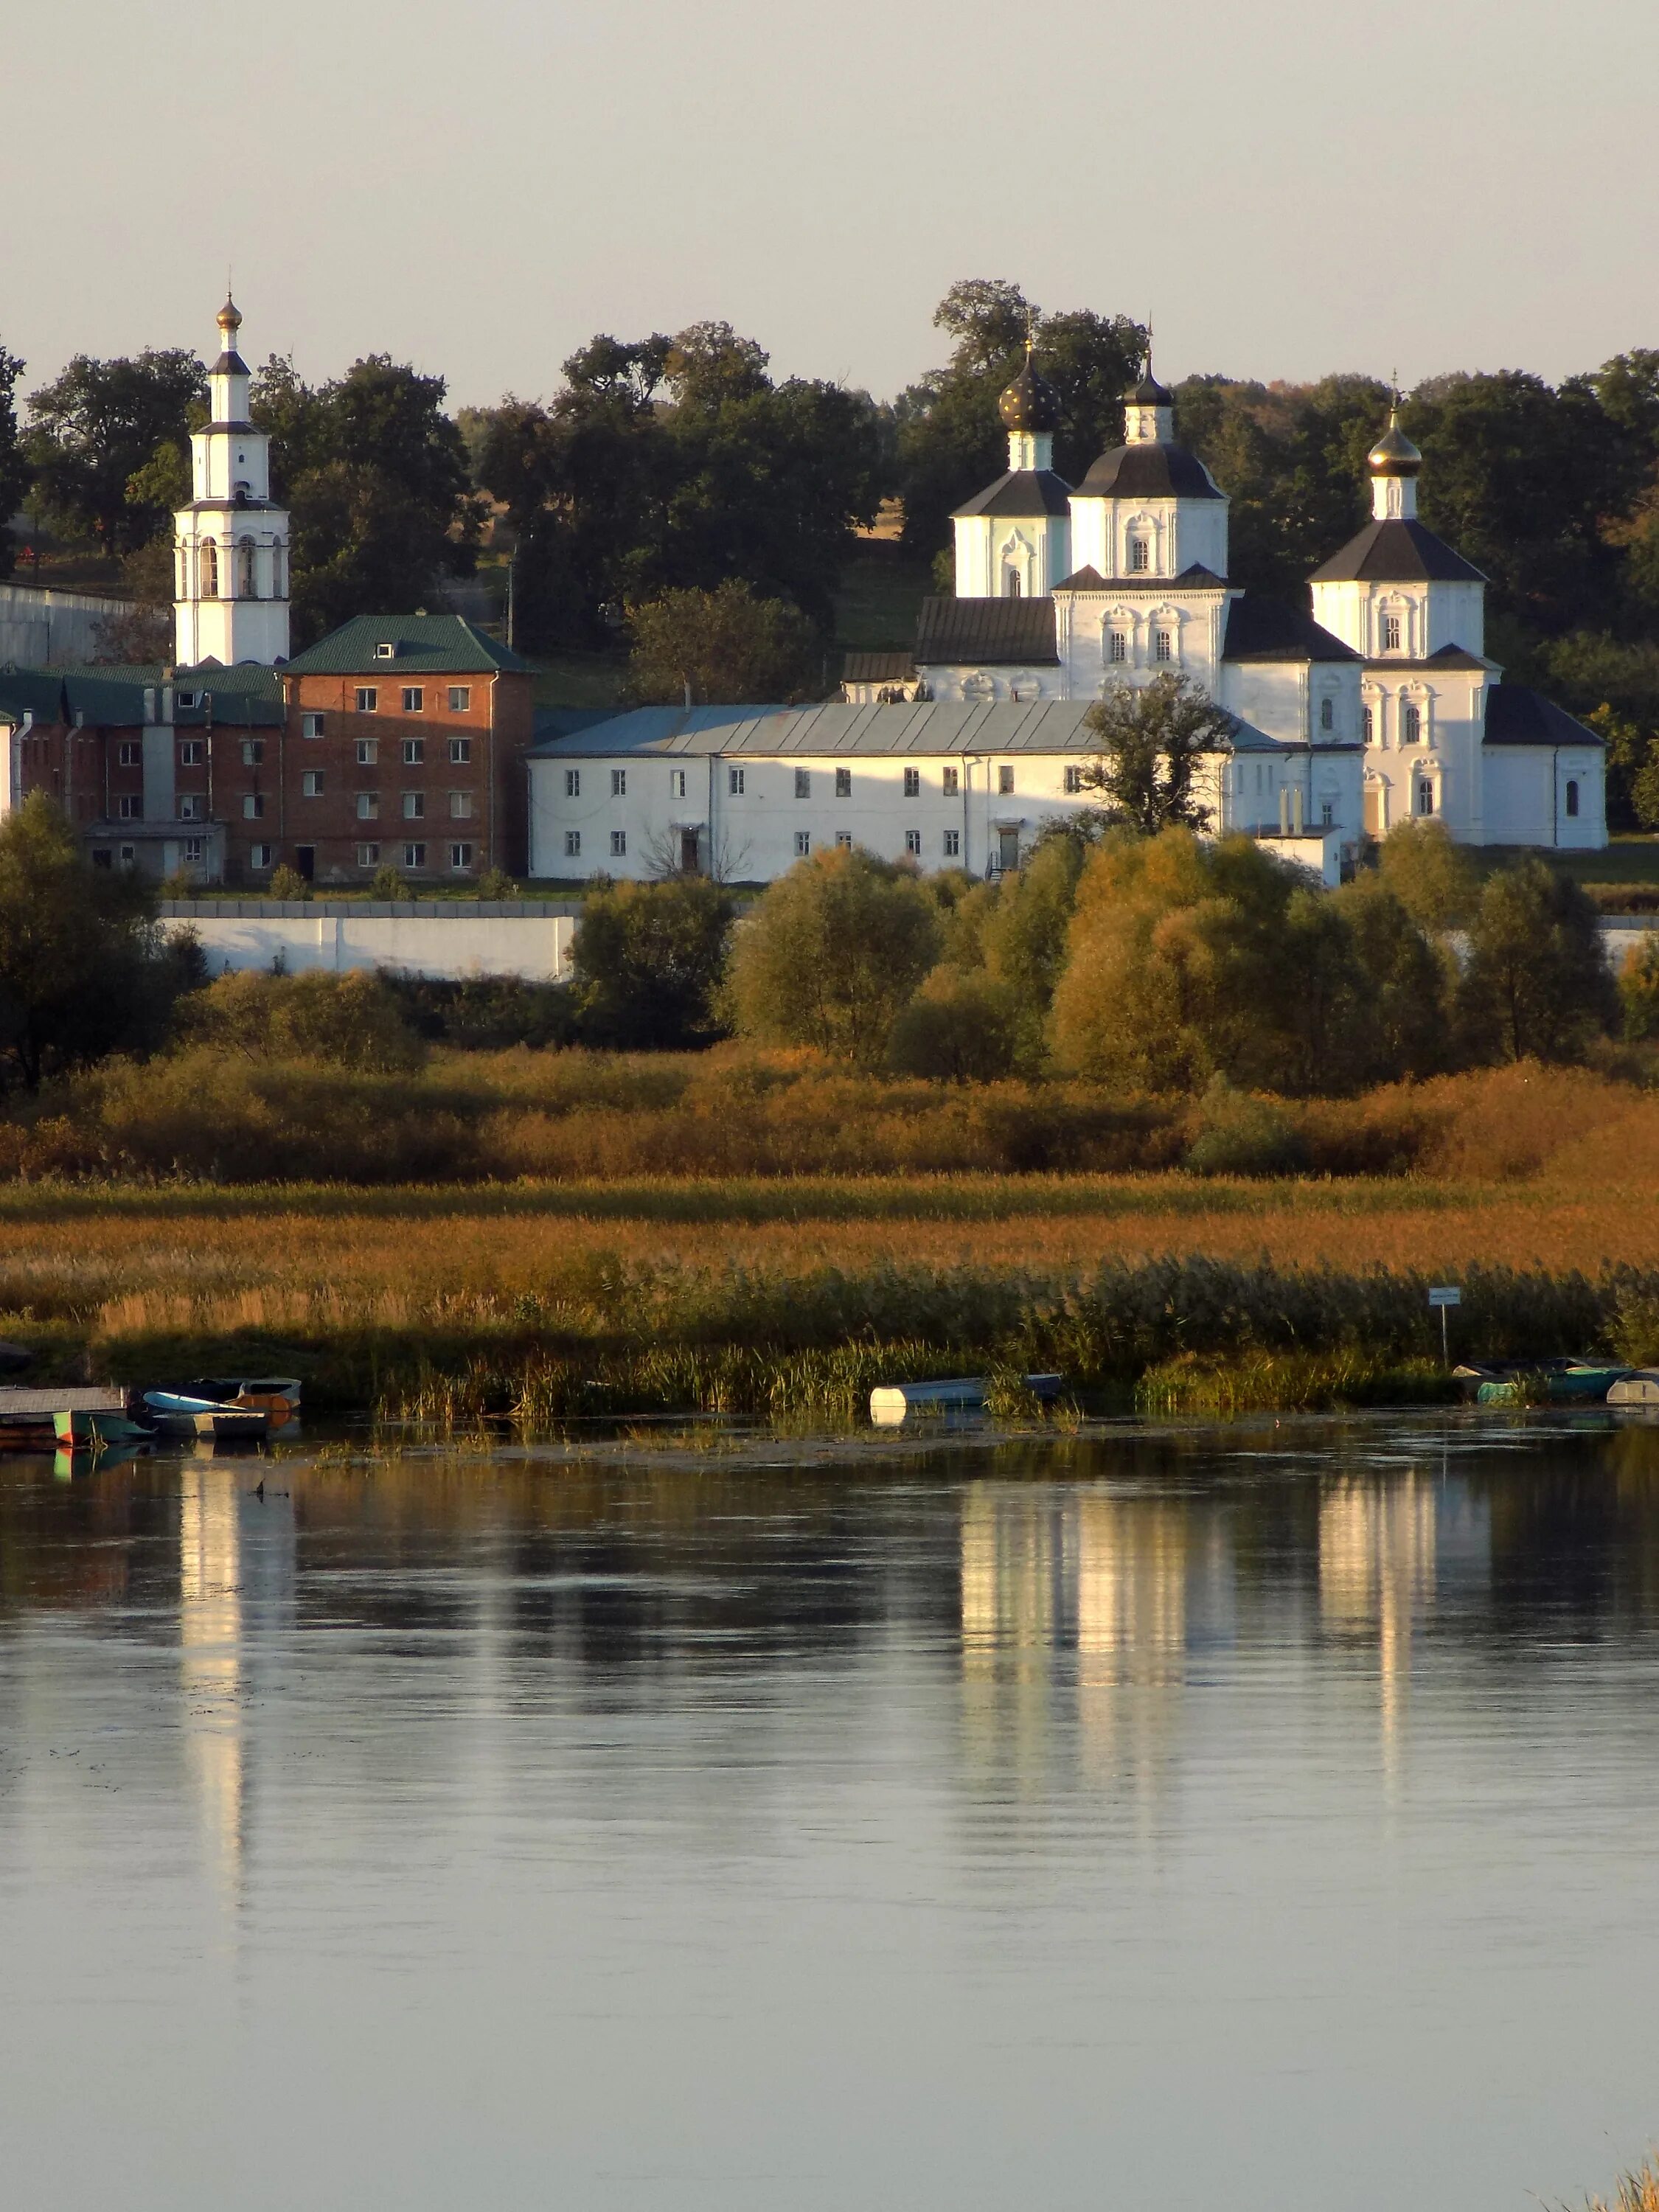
665 466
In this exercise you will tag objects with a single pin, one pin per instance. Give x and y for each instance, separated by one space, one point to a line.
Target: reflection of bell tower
232 544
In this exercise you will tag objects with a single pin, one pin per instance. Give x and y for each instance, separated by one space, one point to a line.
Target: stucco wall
531 941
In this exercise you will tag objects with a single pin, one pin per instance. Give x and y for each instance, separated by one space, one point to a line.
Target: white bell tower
231 544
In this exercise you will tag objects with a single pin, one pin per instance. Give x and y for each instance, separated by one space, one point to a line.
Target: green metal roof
427 645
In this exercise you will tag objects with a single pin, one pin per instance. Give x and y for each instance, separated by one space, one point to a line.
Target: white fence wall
39 628
530 939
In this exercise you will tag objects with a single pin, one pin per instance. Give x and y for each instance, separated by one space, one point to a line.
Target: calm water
1251 1818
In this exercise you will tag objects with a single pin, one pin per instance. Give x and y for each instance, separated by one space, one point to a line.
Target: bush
287 882
354 1020
1638 990
962 1026
389 886
487 1014
648 959
831 955
1236 1135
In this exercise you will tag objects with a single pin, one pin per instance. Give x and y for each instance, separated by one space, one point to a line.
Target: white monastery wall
450 947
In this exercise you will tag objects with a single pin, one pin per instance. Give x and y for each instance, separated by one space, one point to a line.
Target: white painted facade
745 792
231 545
430 941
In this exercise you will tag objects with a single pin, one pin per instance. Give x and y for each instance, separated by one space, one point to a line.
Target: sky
1284 188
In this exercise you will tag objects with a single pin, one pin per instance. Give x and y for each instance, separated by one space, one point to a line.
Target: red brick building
395 741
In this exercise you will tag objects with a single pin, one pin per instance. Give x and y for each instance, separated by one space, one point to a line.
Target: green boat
78 1428
1574 1383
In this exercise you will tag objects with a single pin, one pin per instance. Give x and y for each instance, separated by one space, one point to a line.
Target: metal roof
924 727
1518 716
427 645
1023 492
1017 633
1399 551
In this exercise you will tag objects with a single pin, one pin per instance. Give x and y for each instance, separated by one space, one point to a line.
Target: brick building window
414 807
254 751
414 856
368 856
190 752
260 856
313 726
461 858
129 807
369 806
311 783
460 805
460 751
413 751
368 751
130 753
253 806
460 698
191 851
368 699
414 699
191 807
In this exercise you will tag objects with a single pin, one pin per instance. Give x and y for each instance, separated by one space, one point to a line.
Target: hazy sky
1285 188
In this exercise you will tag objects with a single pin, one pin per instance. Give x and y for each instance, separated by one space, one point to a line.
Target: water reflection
993 1796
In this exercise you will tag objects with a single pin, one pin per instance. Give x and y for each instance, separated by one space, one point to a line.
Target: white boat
1640 1388
183 1414
890 1404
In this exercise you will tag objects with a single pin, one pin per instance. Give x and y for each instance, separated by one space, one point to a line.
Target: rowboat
276 1396
182 1414
81 1428
1641 1388
29 1416
890 1404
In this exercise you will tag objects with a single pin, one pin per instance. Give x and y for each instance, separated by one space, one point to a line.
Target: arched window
183 571
1117 645
246 583
1572 797
209 570
1327 713
278 580
1164 645
1010 585
1425 794
1413 726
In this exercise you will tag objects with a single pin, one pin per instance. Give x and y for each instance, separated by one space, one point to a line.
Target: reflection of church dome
1030 402
1394 454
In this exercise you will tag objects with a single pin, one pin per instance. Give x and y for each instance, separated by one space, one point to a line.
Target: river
1250 1817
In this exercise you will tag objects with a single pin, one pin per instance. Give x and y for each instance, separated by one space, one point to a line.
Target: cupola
1394 464
1029 410
1148 409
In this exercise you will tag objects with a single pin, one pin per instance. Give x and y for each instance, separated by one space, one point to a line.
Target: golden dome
1394 454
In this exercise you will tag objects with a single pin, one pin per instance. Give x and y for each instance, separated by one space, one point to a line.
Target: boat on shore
29 1415
183 1413
1561 1382
891 1403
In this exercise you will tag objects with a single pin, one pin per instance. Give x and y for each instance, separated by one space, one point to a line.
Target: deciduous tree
648 960
1536 984
97 427
725 644
1152 740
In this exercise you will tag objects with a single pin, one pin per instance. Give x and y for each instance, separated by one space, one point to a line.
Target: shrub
831 954
353 1020
1236 1135
487 1014
287 882
648 959
962 1025
390 886
1638 990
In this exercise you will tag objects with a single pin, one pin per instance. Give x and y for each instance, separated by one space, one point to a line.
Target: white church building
1378 705
231 544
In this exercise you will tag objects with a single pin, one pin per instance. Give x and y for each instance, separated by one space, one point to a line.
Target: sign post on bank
1445 1296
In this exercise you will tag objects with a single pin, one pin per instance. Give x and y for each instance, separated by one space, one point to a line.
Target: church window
209 570
183 571
952 784
1163 647
843 783
1141 554
1118 646
1010 584
1390 633
802 783
278 585
1425 794
1413 726
952 844
913 783
1006 779
246 583
1369 719
1327 713
1572 797
1327 813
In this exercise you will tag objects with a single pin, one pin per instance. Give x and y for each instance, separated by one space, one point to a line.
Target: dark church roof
1149 472
1013 632
1260 630
1397 552
877 668
1517 715
1022 491
1196 578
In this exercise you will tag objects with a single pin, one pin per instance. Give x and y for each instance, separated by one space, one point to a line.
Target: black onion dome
1030 402
1149 393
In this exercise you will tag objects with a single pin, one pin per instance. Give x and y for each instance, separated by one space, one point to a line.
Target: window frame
460 752
313 724
312 785
414 698
460 698
368 698
414 752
